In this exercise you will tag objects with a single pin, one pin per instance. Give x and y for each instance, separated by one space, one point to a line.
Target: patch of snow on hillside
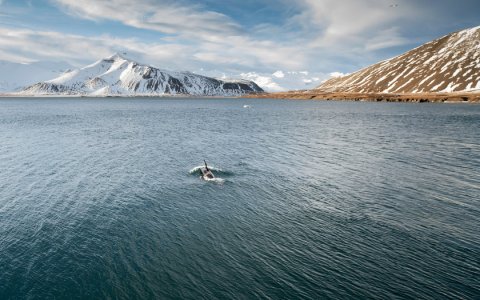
437 86
456 72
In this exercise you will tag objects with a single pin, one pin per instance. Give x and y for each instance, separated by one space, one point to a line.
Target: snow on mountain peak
117 56
117 75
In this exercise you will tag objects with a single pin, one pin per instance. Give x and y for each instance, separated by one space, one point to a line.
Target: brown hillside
448 64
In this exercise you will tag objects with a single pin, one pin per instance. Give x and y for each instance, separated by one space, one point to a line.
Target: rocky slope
448 64
457 97
117 75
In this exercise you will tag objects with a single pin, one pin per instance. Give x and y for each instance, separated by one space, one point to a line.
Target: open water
101 199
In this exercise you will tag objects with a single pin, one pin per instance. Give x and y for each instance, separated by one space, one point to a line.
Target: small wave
197 169
215 171
247 106
215 180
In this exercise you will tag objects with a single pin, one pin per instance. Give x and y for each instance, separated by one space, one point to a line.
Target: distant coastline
459 97
471 97
14 95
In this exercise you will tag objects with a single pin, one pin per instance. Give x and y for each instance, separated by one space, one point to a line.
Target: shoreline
180 96
456 97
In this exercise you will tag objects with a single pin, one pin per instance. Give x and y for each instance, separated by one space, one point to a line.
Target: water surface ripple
99 198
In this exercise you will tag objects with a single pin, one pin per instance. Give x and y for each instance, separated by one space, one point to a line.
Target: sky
283 44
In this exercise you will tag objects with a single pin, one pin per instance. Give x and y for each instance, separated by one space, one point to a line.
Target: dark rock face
176 85
245 87
48 87
147 74
253 87
230 86
152 85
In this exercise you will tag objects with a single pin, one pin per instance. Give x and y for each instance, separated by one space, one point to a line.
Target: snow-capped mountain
117 75
448 64
14 76
276 81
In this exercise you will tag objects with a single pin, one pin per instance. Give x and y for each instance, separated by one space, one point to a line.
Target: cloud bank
318 36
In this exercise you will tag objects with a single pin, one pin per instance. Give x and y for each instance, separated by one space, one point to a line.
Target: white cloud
213 39
163 16
385 39
324 36
323 29
350 31
278 74
337 74
264 81
25 45
348 19
21 45
291 80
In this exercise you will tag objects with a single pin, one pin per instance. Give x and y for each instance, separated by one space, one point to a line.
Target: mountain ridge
117 75
448 64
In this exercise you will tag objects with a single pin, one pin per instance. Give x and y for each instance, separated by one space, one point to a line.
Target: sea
101 198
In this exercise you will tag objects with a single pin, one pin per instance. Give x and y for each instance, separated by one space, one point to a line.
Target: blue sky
231 37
